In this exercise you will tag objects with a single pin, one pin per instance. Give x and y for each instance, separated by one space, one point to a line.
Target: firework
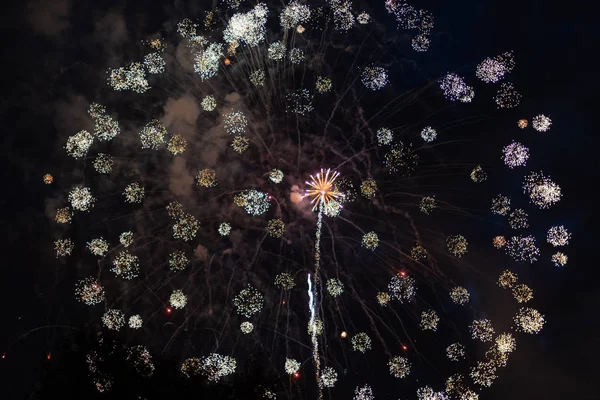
370 240
363 18
478 174
186 227
322 188
399 367
522 249
484 373
176 145
276 176
522 123
284 281
329 377
515 155
507 279
103 163
240 144
429 320
157 44
178 261
48 179
275 228
559 259
247 28
506 343
428 134
294 14
254 202
499 242
141 359
455 88
460 295
401 287
153 134
427 204
420 43
427 393
558 236
335 287
457 245
383 298
455 352
541 190
361 342
135 321
363 393
215 366
178 299
500 205
132 78
224 229
235 123
134 193
374 78
206 62
208 103
126 238
541 123
518 219
105 127
206 178
246 327
78 145
98 247
418 252
186 28
384 136
529 320
343 17
126 265
113 319
323 84
491 70
249 301
257 77
154 63
482 329
277 51
507 96
299 102
291 366
63 247
401 158
89 291
522 293
296 56
368 188
63 215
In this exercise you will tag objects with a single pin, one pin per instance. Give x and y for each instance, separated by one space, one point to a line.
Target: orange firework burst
322 189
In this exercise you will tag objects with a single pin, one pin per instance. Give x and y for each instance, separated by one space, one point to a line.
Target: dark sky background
556 46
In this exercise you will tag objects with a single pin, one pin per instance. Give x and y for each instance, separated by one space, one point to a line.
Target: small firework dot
89 291
558 236
246 327
323 84
383 298
529 320
177 145
113 319
284 281
209 103
384 136
126 238
499 242
103 163
427 204
457 245
224 229
460 295
276 176
370 240
478 174
455 351
63 215
98 247
361 342
507 279
399 367
428 134
178 261
429 320
206 178
48 179
135 322
240 144
559 259
482 329
541 123
329 377
522 293
418 252
291 366
275 228
522 123
335 287
178 299
134 193
368 188
63 247
374 78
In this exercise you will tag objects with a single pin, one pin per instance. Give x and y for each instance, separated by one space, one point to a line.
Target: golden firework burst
322 189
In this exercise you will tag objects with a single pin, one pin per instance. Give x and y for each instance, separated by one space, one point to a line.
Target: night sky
51 51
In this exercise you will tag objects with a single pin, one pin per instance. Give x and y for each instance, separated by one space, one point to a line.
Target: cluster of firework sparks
327 191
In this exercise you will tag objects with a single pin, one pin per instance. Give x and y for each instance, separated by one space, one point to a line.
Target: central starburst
322 189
